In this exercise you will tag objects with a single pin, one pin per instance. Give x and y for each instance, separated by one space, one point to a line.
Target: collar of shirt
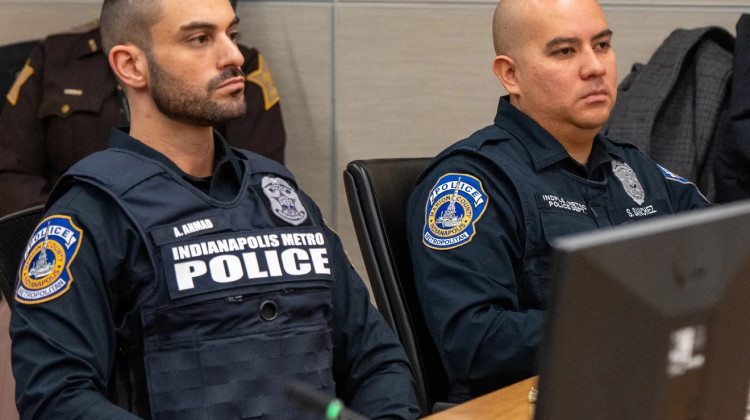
223 184
544 149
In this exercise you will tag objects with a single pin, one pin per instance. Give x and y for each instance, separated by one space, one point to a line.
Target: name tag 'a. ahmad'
214 263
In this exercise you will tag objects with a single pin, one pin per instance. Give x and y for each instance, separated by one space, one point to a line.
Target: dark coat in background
670 107
732 165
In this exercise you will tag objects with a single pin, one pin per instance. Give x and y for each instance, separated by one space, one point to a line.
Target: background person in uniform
203 267
66 99
482 216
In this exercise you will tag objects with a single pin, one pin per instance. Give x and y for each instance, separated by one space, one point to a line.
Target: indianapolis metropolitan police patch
285 202
454 205
45 273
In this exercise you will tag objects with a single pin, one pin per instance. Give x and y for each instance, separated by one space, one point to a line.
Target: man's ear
505 70
129 65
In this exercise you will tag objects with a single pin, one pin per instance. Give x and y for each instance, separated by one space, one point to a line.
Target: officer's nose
230 53
592 65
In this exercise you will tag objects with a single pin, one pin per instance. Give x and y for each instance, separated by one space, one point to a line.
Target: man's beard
190 105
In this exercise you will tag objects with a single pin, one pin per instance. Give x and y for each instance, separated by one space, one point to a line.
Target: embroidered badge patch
629 181
262 77
22 77
285 202
45 273
454 206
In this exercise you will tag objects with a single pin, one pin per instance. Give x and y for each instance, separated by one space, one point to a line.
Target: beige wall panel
295 41
409 82
25 21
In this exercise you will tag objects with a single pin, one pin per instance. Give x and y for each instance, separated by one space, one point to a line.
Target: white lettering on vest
193 227
230 268
182 252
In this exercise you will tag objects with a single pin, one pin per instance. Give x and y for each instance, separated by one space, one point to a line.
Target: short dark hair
128 21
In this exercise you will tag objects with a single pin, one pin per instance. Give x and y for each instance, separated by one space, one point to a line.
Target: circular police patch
453 207
45 272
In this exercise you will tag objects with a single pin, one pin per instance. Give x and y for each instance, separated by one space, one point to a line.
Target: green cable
333 411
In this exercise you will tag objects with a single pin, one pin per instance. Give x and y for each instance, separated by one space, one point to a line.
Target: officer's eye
199 39
563 52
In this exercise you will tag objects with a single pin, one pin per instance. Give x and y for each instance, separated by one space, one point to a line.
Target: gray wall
365 79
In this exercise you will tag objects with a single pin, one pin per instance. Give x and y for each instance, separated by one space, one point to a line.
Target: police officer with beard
201 269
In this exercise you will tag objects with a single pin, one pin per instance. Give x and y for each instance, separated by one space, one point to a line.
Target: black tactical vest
240 304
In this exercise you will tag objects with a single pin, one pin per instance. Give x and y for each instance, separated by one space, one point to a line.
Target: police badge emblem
453 207
285 202
629 181
45 273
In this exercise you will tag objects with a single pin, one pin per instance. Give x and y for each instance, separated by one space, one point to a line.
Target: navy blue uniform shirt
63 348
479 226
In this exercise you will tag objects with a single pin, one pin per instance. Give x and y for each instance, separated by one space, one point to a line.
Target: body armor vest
240 303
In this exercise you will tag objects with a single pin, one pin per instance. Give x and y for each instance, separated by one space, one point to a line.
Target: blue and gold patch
455 204
45 273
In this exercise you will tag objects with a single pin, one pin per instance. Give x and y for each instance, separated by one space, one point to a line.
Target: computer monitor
650 320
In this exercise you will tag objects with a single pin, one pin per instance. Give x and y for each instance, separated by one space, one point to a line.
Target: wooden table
509 403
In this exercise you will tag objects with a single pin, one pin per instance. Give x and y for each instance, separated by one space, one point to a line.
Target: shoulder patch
455 204
15 90
45 272
676 178
285 203
262 77
672 176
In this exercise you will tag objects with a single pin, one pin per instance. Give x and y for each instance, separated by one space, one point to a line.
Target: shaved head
506 26
512 20
125 22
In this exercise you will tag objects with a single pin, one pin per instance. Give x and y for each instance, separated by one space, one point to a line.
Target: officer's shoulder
116 170
263 165
619 143
79 199
486 137
473 147
112 162
456 157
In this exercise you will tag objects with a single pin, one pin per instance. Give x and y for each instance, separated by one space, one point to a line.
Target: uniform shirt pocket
560 217
63 102
557 217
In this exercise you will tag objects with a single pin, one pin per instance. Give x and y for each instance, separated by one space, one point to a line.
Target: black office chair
377 191
15 230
